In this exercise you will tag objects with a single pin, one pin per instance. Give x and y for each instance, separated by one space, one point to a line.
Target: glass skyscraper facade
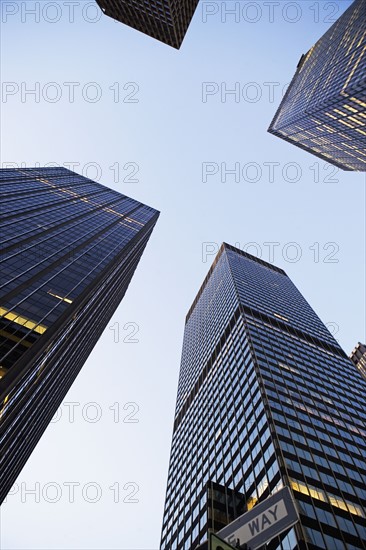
324 108
165 20
266 398
69 248
358 357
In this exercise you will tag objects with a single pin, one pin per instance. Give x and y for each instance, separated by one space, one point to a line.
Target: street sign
218 544
263 522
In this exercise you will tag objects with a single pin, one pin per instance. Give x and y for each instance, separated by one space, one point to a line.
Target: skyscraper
358 357
266 398
324 108
166 20
69 248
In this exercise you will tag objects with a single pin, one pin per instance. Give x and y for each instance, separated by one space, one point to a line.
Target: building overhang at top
166 20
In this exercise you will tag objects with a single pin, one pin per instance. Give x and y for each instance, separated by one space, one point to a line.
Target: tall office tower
266 398
165 20
69 248
324 108
358 357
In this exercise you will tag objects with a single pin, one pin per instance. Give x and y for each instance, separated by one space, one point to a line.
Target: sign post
263 522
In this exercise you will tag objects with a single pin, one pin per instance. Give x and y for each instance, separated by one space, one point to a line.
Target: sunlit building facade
165 20
266 398
358 357
69 248
324 108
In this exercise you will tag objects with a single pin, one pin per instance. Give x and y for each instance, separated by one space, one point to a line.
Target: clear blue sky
167 135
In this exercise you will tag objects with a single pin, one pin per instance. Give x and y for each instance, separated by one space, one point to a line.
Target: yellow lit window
346 124
339 112
317 493
67 300
2 372
354 119
4 405
338 502
280 317
354 509
299 487
358 101
251 502
23 321
350 108
287 367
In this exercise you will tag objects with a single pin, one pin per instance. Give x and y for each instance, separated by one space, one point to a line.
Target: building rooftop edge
31 169
225 246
